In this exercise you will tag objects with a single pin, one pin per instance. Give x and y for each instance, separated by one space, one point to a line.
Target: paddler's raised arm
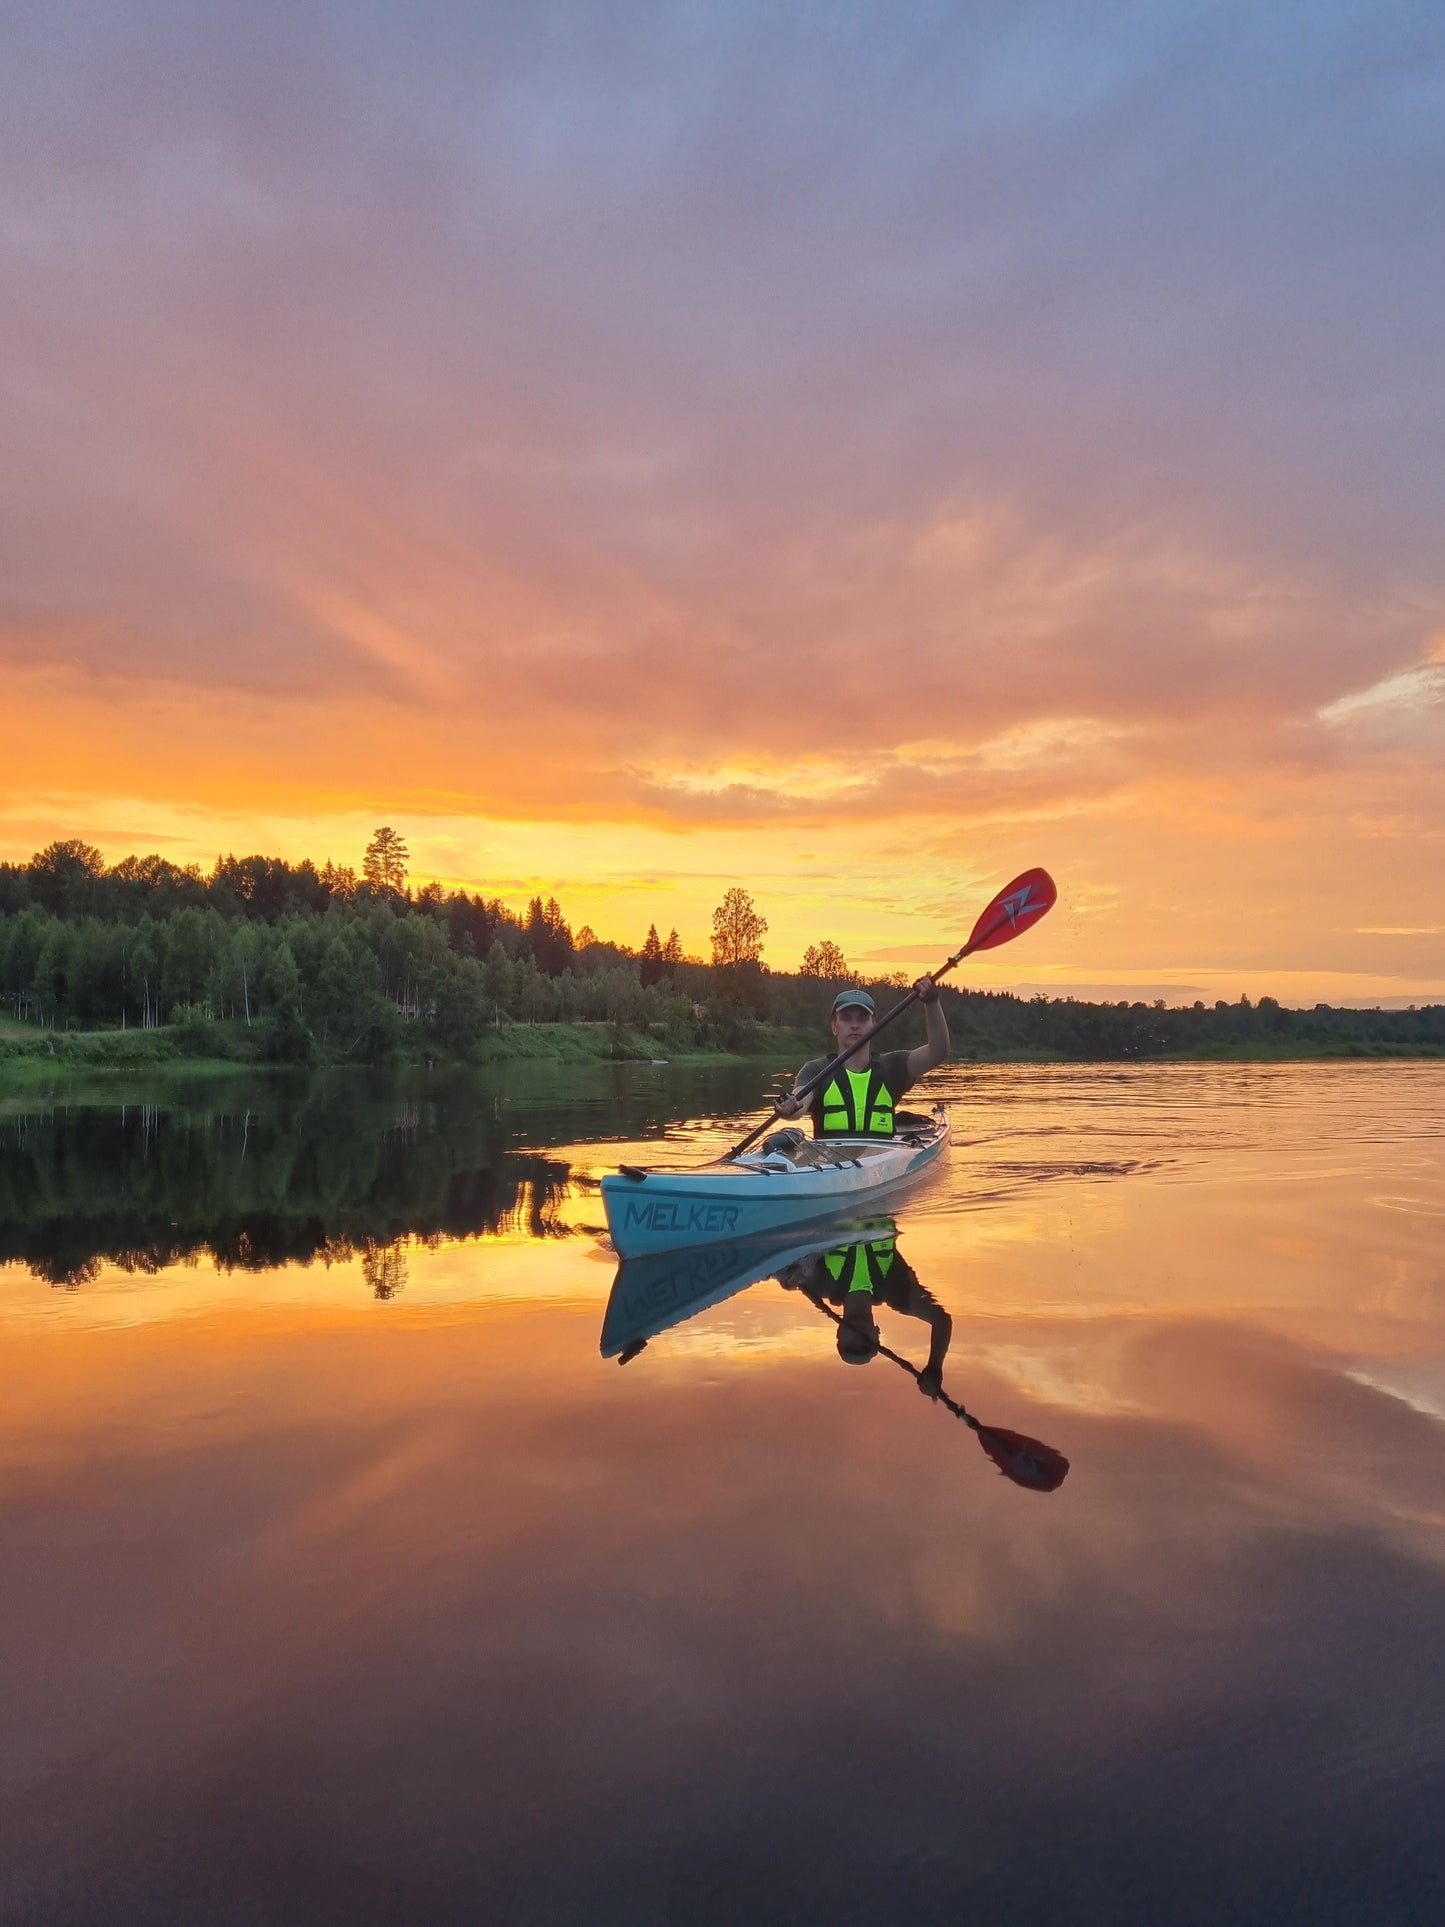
924 1056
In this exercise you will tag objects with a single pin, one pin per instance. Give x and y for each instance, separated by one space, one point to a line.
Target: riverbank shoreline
32 1059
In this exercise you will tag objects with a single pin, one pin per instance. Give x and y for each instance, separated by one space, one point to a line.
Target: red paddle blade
1027 1462
1017 906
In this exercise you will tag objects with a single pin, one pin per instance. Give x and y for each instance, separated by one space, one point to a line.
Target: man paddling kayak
859 1100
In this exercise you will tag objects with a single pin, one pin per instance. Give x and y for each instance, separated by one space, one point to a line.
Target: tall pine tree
651 967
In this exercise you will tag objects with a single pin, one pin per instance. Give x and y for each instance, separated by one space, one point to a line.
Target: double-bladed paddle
1017 906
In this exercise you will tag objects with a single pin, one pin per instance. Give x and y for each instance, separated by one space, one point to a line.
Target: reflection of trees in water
384 1269
143 1189
78 1275
537 1200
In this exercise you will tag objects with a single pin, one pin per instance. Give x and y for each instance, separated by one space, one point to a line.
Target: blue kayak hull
755 1197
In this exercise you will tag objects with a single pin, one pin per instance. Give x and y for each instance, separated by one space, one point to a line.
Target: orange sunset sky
856 453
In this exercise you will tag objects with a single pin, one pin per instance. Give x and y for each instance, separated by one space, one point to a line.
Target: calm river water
342 1578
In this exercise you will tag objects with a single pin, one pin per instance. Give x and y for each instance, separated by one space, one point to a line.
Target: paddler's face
849 1024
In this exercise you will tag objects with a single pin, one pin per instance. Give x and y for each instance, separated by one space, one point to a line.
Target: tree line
310 957
298 960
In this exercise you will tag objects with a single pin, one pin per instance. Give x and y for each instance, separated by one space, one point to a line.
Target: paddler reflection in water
860 1277
651 1295
859 1099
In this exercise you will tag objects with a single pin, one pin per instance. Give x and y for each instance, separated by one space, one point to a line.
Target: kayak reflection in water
859 1278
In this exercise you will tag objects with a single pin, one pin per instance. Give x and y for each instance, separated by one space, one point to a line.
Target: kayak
650 1295
649 1209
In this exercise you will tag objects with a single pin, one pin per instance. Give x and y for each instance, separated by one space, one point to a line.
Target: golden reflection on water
1259 1267
1302 1201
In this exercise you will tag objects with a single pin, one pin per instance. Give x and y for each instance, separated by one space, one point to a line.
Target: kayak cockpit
825 1153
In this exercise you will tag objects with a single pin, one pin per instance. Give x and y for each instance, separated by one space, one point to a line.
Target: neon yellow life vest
857 1104
866 1265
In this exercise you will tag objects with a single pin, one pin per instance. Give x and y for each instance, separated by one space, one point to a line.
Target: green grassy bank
32 1059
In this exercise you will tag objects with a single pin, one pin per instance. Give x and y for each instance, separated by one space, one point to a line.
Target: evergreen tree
548 936
653 969
384 865
338 883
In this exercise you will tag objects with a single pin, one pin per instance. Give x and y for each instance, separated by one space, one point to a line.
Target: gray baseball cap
848 998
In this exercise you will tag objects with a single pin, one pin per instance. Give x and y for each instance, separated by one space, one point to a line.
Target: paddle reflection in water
846 1272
